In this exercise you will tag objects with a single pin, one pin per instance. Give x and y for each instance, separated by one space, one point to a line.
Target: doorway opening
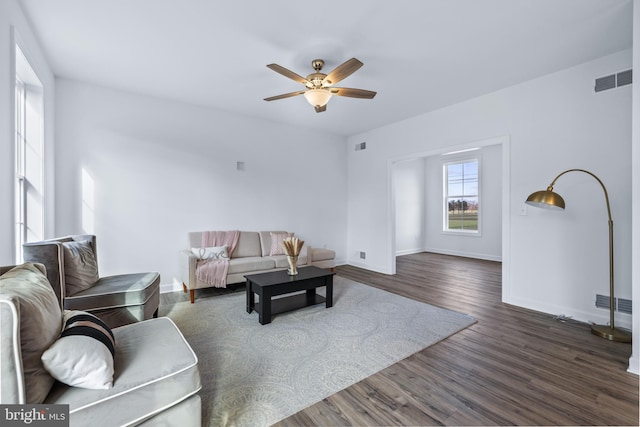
419 205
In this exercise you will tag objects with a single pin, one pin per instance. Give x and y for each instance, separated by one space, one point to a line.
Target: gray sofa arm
188 269
321 257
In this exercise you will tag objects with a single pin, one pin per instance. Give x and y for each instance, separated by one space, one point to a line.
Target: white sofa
251 256
155 371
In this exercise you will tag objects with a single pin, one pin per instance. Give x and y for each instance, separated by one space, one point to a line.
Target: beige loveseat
251 255
152 371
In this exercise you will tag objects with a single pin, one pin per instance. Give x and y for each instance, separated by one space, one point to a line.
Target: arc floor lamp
549 200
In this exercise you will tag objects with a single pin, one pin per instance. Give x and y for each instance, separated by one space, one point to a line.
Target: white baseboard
377 269
623 320
487 257
340 261
409 251
634 365
380 269
176 285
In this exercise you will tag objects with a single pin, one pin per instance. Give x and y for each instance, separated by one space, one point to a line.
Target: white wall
634 361
14 27
409 183
553 262
141 172
488 243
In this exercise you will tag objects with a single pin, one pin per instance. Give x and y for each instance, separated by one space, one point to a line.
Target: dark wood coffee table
268 285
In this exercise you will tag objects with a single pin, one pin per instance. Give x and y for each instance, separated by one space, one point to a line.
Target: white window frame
20 169
445 191
29 171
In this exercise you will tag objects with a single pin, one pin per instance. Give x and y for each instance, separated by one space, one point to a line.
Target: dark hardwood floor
513 367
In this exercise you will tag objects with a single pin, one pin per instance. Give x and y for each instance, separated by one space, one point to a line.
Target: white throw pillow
214 252
83 355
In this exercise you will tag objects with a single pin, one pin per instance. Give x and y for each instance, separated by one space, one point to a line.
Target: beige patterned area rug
256 375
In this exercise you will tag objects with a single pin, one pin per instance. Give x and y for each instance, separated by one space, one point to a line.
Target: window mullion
20 168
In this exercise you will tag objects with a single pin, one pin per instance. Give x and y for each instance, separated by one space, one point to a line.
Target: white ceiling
419 55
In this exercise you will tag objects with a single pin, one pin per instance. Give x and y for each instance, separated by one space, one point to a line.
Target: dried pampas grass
292 246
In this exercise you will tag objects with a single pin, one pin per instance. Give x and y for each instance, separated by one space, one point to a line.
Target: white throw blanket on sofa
214 271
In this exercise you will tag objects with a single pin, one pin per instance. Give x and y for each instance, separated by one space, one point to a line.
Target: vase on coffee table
292 247
293 268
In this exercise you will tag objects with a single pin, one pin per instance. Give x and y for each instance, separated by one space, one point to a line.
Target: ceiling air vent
624 78
605 83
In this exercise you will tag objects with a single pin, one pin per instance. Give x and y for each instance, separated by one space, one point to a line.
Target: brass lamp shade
546 199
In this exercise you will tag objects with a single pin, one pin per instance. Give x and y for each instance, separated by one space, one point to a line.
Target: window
29 167
461 196
20 194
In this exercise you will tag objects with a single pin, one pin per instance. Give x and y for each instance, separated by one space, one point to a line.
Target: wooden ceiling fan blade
320 108
342 71
288 73
353 93
285 95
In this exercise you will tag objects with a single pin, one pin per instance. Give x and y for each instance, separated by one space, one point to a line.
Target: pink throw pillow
276 243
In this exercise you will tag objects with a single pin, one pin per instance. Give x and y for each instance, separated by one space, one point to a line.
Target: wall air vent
619 304
605 83
602 301
612 81
624 78
624 305
361 146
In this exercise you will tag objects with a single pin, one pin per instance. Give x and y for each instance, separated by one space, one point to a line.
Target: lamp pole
551 199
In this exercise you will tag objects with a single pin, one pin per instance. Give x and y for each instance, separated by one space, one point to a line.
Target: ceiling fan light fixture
319 86
317 97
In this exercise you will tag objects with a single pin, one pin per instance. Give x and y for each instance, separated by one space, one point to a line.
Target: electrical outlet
363 255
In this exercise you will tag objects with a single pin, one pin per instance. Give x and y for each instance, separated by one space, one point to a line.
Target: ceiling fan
319 86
